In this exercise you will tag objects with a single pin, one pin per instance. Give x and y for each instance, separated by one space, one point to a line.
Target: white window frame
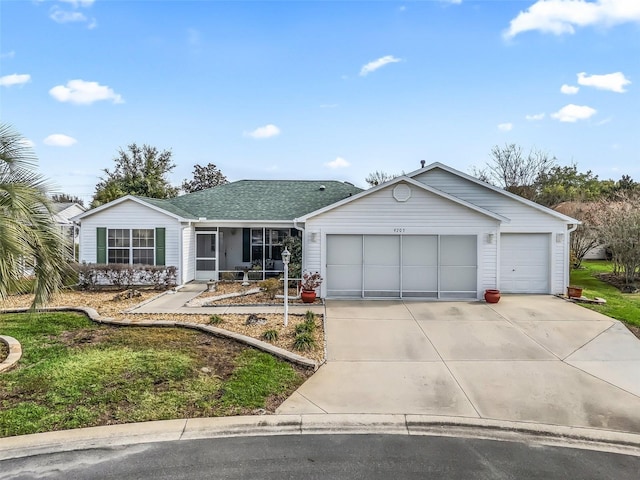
130 247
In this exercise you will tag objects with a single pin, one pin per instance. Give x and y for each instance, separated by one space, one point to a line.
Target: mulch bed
617 281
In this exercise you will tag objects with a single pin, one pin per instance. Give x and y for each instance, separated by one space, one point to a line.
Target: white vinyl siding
188 253
130 215
523 219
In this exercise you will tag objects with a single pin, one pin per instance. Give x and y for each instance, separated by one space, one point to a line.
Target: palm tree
29 237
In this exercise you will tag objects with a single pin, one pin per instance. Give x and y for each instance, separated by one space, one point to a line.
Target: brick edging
94 316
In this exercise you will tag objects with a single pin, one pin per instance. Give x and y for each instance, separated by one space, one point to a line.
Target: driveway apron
528 358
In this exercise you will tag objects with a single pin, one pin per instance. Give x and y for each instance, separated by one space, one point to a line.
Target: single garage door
524 262
423 266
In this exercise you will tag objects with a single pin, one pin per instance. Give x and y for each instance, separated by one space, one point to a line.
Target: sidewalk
174 302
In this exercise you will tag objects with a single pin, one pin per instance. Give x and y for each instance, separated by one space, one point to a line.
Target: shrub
228 276
304 341
270 335
271 286
309 316
92 275
215 319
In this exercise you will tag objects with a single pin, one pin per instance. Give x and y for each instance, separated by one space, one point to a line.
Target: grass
75 373
621 306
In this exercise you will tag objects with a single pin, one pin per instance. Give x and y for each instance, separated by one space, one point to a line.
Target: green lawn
75 373
622 306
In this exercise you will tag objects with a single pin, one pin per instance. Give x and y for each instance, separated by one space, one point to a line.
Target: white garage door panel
344 265
381 266
524 262
402 266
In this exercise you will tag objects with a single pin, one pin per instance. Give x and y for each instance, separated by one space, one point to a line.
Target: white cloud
376 64
562 16
79 3
505 127
267 131
569 89
65 16
27 143
572 113
84 93
339 162
59 140
10 54
15 79
614 82
534 117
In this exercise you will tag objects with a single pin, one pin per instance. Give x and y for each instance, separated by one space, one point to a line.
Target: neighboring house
63 212
432 233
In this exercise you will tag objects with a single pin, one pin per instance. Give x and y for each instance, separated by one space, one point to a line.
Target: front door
206 256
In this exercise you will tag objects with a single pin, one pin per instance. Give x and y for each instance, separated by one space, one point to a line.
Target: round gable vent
402 192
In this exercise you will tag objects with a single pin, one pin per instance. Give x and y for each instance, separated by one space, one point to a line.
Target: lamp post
286 256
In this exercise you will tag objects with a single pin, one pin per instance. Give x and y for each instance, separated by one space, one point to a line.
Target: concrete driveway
528 358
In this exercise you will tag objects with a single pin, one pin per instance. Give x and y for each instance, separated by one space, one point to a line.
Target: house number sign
399 230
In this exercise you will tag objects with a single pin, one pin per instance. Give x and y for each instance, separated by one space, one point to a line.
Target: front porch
226 253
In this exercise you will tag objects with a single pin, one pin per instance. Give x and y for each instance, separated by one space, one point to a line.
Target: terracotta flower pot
574 292
492 296
308 296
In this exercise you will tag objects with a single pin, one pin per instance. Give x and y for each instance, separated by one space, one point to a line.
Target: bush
271 286
304 341
309 316
215 319
92 275
270 335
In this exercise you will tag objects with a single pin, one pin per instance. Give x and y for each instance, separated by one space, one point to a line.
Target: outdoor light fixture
286 256
490 237
559 237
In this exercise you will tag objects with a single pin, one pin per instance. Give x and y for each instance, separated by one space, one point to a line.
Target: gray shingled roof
258 199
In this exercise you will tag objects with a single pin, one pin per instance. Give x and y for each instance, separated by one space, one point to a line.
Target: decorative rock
127 294
205 370
253 319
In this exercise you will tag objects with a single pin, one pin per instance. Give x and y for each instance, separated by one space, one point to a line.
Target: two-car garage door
437 266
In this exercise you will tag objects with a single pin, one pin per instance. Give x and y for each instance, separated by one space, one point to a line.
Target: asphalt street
368 457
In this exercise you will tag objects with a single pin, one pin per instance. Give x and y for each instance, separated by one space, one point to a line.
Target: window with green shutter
101 244
160 248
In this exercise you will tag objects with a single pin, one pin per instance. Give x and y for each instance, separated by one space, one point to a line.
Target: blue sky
320 89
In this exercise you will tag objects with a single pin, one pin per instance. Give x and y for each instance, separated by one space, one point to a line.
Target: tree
565 184
510 169
29 238
586 236
376 178
66 198
140 171
203 178
620 231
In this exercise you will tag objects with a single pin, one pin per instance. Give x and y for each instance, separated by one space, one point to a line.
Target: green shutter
160 249
246 244
101 245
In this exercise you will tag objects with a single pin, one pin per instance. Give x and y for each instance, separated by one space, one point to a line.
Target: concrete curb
15 352
222 427
219 332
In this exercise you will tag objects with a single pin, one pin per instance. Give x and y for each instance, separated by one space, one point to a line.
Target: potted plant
310 282
492 295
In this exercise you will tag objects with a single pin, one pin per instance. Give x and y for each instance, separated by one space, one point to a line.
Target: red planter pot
492 296
308 296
